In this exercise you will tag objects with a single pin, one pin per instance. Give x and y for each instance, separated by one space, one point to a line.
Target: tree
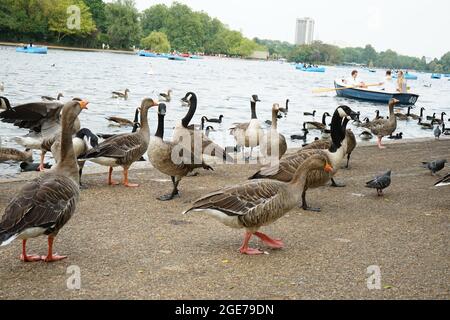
70 17
369 54
156 42
154 18
445 62
97 8
122 20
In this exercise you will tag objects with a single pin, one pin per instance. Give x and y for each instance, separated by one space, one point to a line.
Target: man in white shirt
353 81
387 84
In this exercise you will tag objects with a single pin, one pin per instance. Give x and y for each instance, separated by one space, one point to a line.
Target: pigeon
380 183
437 132
434 166
444 182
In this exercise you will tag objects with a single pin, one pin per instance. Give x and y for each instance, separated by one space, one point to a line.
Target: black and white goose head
341 117
89 138
191 99
253 102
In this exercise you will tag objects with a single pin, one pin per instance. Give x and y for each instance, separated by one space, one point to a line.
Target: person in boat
387 83
354 81
401 83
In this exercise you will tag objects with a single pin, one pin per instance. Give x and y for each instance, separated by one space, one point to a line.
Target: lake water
223 86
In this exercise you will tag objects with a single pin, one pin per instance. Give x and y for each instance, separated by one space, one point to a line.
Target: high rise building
304 31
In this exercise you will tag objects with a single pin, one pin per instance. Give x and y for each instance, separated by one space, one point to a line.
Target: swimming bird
58 97
11 154
426 125
444 181
445 130
44 205
250 133
433 117
136 126
166 97
254 204
434 166
124 149
273 143
121 122
161 155
377 115
437 132
285 110
417 117
441 120
314 125
398 136
312 114
123 95
380 183
383 128
213 120
32 167
403 117
300 136
208 130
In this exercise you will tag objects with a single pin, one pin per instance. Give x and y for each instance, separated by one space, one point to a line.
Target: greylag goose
11 154
4 103
32 167
136 126
434 166
123 149
382 127
415 116
123 95
289 164
314 125
250 133
121 122
273 143
444 181
47 203
195 141
254 204
58 97
161 154
312 114
380 183
166 97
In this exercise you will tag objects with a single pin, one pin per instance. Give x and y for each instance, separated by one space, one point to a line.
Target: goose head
346 112
255 98
276 107
162 109
88 137
146 104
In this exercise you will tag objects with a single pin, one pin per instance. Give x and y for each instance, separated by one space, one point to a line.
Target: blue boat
302 67
144 53
436 76
408 76
176 58
407 99
28 49
447 75
196 57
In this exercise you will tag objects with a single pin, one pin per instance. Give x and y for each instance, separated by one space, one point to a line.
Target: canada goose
366 135
46 204
123 95
380 183
161 154
208 130
32 167
300 136
398 136
286 109
189 137
365 123
445 130
441 120
58 97
10 154
4 103
166 97
415 116
425 125
434 166
357 122
248 134
444 181
288 165
124 149
433 117
383 128
219 120
273 144
403 117
312 114
311 125
437 132
377 115
254 204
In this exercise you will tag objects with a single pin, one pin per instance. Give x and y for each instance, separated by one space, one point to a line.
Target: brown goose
254 204
194 140
274 139
123 149
123 95
47 203
121 122
384 128
162 156
47 98
288 165
10 154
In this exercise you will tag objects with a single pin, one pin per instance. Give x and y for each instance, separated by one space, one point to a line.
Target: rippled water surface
223 86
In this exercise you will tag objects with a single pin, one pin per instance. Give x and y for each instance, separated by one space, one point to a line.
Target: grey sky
412 27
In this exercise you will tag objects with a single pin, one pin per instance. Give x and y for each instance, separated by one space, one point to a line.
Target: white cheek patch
342 113
189 97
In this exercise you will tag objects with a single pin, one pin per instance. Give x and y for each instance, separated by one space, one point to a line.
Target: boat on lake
380 96
447 75
436 76
304 68
176 58
32 49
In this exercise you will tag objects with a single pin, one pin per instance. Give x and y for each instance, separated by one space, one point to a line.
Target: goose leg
111 182
273 243
52 257
334 184
380 146
126 183
348 160
41 163
305 205
80 172
175 193
28 258
246 250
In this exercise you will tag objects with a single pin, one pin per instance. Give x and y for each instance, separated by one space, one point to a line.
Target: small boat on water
372 70
304 68
384 97
447 75
176 58
32 49
436 76
196 57
408 76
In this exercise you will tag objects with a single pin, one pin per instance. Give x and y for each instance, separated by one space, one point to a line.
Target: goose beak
328 168
83 104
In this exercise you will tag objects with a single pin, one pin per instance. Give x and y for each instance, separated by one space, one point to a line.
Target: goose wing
115 147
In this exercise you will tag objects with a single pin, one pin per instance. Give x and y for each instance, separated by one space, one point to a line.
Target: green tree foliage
154 18
97 8
122 21
156 42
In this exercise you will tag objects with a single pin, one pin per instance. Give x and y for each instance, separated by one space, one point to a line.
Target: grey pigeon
444 181
437 132
380 183
434 166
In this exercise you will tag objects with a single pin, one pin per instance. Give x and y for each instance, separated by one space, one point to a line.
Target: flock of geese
44 205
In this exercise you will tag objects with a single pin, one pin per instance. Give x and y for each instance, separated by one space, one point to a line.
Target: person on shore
354 81
401 82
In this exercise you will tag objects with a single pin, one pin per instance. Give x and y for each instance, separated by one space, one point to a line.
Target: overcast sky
412 27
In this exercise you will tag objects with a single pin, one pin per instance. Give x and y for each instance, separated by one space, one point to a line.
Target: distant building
304 31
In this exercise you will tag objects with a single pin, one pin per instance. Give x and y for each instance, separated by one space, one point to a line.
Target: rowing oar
343 88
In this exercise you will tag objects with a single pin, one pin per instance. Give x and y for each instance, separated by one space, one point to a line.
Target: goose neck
192 109
253 107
